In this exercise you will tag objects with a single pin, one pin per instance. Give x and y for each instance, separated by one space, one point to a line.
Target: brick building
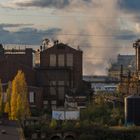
58 72
12 60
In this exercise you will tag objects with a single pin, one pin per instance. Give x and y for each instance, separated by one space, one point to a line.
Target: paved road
11 129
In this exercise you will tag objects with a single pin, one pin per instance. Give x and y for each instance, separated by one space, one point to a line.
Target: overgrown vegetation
103 113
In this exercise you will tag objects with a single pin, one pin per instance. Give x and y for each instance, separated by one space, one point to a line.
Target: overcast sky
102 28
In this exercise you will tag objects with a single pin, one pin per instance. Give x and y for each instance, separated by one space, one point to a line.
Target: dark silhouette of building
12 60
58 71
132 110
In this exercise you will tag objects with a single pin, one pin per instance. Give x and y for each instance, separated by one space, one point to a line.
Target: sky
101 28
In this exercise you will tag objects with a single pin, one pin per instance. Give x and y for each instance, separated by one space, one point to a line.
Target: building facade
58 71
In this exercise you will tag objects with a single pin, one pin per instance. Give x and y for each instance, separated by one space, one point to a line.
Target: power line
62 16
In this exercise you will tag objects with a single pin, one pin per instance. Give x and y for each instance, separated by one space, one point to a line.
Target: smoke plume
95 35
93 25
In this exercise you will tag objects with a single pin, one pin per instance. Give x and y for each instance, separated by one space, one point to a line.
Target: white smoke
99 44
91 24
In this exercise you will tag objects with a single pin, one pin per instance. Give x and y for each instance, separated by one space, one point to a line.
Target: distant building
102 84
128 63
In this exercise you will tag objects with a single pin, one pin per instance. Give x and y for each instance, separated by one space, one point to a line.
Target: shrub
53 124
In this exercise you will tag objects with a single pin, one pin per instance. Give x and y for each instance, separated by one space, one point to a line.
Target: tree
101 112
7 108
1 100
19 101
53 124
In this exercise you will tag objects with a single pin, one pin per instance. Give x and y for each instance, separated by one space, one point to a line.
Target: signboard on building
65 114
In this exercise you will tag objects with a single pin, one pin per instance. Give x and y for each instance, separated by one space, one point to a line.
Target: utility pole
137 82
128 78
121 74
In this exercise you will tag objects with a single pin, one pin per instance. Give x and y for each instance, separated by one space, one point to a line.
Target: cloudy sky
102 28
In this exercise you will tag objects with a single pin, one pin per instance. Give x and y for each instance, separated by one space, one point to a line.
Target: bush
53 124
67 125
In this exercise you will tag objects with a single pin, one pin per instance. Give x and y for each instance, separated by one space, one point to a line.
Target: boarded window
52 83
70 60
53 90
31 97
67 83
61 61
61 83
61 93
71 83
52 60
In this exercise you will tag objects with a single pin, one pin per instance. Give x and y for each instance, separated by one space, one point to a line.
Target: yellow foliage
19 102
1 102
7 108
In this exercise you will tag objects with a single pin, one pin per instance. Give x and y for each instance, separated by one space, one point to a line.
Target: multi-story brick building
58 71
12 60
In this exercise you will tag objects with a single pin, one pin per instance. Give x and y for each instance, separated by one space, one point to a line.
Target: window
61 83
61 93
53 90
61 61
71 83
67 83
70 60
53 102
31 97
52 83
52 60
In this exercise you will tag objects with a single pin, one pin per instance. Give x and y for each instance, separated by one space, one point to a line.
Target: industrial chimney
136 45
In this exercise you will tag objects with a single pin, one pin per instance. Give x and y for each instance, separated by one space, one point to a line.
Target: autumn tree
7 108
19 101
1 100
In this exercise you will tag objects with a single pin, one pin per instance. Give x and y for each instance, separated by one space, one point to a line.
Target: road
11 129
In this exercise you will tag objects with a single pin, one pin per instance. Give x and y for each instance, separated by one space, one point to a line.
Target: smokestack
136 45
